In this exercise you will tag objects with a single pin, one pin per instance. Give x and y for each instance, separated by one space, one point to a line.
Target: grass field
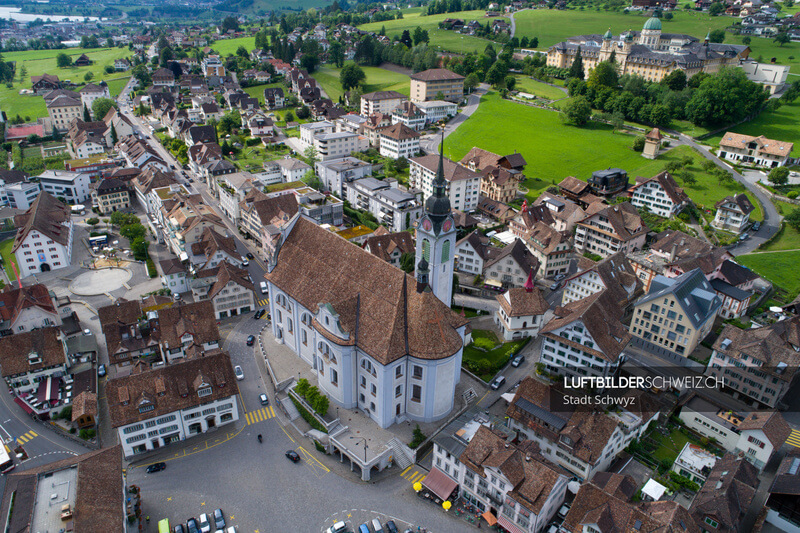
257 91
496 357
8 257
527 84
378 79
38 62
781 125
227 47
778 267
789 238
444 39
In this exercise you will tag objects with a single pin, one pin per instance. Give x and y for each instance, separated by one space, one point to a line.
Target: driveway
430 143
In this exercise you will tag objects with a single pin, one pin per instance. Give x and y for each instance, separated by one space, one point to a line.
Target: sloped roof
771 423
691 290
45 343
518 301
667 183
400 132
452 171
46 215
14 301
574 185
196 319
384 245
774 345
617 275
764 145
480 158
624 219
384 95
727 493
519 253
741 201
223 274
436 74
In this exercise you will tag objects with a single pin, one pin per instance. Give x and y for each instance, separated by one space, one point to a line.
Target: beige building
499 184
617 228
648 53
381 102
551 248
62 109
675 315
228 287
758 151
111 195
427 84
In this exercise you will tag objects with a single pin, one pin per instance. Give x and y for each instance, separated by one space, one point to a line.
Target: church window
426 250
446 252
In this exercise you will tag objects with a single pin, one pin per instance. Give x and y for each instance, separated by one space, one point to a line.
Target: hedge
151 268
308 417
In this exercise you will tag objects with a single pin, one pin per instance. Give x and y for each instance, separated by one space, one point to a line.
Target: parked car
555 286
258 314
363 528
101 370
263 287
179 529
338 527
192 525
498 382
756 226
239 373
205 524
250 255
156 467
245 262
559 277
743 236
263 399
391 527
219 519
251 340
292 455
518 360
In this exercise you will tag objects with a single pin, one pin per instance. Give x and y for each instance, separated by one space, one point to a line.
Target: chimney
672 251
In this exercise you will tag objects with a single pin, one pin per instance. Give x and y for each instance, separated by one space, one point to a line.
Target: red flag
14 266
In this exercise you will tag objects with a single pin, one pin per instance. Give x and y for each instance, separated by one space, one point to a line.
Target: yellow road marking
33 433
287 433
406 470
309 456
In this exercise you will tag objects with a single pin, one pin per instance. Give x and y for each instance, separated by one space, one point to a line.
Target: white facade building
22 195
463 185
436 110
660 195
44 242
396 209
338 145
72 186
312 129
399 141
336 173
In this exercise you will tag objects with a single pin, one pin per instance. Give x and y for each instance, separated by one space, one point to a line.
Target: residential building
399 141
725 498
675 315
173 275
607 504
186 331
756 151
292 169
274 98
409 374
63 109
127 332
758 365
381 102
183 220
472 252
45 83
141 155
336 173
437 84
553 249
617 228
163 77
212 66
647 53
44 236
263 217
694 463
478 159
510 266
26 309
91 486
318 207
574 189
172 403
660 195
462 184
228 287
565 214
232 189
74 187
608 182
10 177
213 249
614 274
762 435
499 185
585 338
394 208
21 195
310 130
410 115
338 145
111 194
521 311
391 246
733 213
148 181
436 110
91 92
580 440
783 502
32 361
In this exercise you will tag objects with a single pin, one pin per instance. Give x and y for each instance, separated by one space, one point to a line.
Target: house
725 498
173 275
463 185
121 65
141 155
91 92
675 315
553 249
574 189
437 84
398 141
84 410
212 249
183 219
127 332
521 311
63 109
391 247
186 331
33 362
163 77
783 503
172 403
616 228
478 159
381 102
614 274
659 195
608 182
733 213
74 187
95 499
762 435
759 365
212 66
756 151
410 115
45 83
397 209
263 217
200 135
335 174
293 169
27 308
585 337
146 182
409 360
82 61
581 440
510 266
44 236
694 463
436 110
499 185
274 98
565 213
228 287
110 195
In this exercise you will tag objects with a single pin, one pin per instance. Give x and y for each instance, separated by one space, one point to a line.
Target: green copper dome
653 23
608 35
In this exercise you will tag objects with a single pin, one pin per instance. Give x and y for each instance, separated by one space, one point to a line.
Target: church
649 53
378 339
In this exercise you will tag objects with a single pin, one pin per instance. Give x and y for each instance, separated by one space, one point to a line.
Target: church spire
437 206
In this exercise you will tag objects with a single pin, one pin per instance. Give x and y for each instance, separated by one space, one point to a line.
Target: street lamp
365 447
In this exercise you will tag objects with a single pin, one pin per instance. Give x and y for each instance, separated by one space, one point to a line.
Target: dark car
263 399
518 360
260 313
156 467
292 455
250 255
219 519
179 529
251 340
192 525
391 527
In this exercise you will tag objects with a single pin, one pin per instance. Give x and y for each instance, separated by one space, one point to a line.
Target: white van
263 286
376 526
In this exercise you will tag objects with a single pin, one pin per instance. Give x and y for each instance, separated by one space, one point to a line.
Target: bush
419 438
483 343
87 434
151 268
308 417
302 387
638 143
792 195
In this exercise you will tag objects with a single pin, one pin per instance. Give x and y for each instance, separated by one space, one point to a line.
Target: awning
439 483
493 283
489 517
41 391
509 526
52 389
25 406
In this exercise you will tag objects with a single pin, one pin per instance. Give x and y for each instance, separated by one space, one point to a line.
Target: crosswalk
262 303
414 474
259 415
22 439
794 438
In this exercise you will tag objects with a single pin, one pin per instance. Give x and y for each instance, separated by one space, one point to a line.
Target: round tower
651 32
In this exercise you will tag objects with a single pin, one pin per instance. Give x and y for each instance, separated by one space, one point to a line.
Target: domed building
649 53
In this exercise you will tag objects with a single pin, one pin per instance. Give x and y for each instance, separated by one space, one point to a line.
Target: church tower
436 239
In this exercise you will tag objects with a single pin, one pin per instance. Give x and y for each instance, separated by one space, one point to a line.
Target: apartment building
336 173
660 195
228 287
410 115
21 195
63 109
551 248
521 311
74 187
391 246
437 84
733 213
758 151
394 208
185 331
310 130
398 141
338 145
617 228
436 110
44 236
27 308
614 274
381 102
110 195
213 249
724 499
463 185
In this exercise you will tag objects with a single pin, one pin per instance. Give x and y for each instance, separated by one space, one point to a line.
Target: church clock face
426 224
448 225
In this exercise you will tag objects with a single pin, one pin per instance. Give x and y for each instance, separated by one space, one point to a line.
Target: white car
562 512
338 527
239 372
205 525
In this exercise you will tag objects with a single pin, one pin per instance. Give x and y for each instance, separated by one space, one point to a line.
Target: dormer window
205 391
146 407
34 358
566 441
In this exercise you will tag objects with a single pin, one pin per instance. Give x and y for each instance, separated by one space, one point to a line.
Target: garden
487 354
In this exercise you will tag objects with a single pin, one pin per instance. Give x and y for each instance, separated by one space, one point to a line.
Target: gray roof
373 184
396 195
544 415
729 290
81 344
692 291
346 163
292 164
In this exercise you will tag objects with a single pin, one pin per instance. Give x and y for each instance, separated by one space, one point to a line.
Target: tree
715 9
310 156
23 72
511 81
782 38
417 36
88 76
165 56
675 80
93 221
716 36
311 179
746 40
686 177
114 136
576 70
578 110
725 98
793 219
471 82
407 262
101 106
405 38
535 42
289 116
708 165
242 52
779 176
86 116
497 74
351 76
638 143
524 42
309 62
603 75
303 112
63 60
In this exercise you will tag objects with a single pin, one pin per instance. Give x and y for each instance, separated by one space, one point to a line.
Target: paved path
514 23
430 143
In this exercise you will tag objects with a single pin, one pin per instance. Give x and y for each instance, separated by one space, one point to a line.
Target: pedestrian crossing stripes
262 303
414 475
26 437
794 438
254 417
